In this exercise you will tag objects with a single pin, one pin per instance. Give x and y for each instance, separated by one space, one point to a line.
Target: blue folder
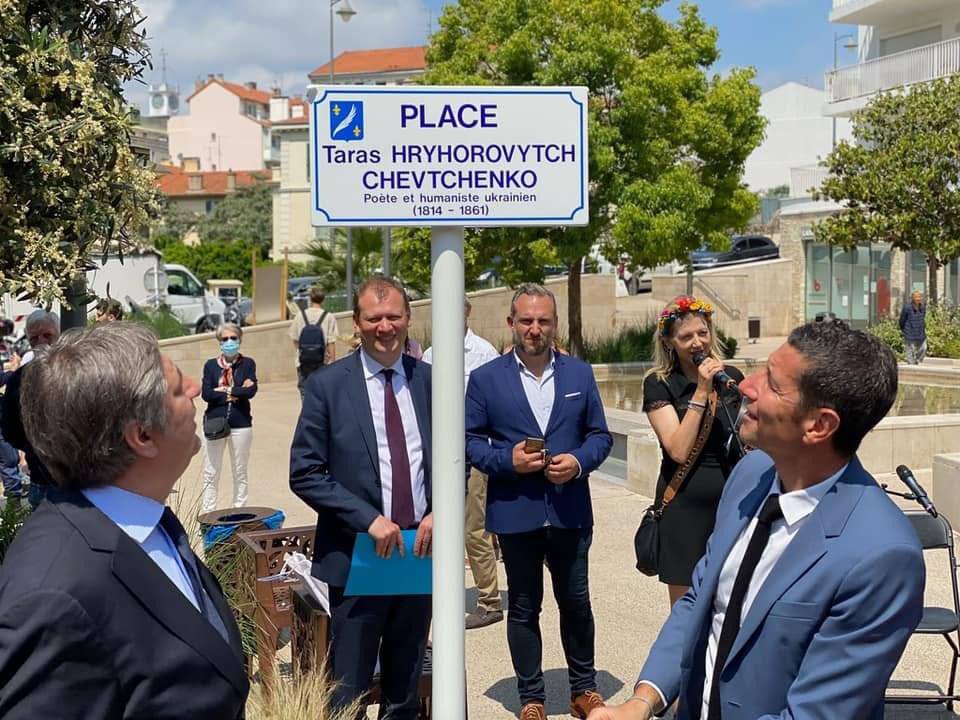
372 575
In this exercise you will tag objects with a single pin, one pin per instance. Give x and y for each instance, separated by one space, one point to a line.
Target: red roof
174 182
241 91
374 61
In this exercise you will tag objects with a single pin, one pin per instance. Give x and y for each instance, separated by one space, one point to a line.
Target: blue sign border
424 221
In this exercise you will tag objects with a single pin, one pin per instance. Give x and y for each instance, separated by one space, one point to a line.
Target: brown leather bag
646 541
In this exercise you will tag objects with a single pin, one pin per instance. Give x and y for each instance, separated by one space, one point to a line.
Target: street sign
448 156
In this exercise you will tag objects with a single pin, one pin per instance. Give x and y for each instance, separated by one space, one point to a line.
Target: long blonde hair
681 307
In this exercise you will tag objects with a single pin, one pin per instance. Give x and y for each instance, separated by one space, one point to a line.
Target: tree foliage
216 260
69 183
245 216
667 143
329 257
900 177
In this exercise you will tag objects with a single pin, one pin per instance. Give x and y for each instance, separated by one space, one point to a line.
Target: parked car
298 289
743 248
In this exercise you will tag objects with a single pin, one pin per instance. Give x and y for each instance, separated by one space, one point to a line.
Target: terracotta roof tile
174 182
372 61
241 91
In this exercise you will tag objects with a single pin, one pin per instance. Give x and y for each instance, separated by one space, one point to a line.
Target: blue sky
279 42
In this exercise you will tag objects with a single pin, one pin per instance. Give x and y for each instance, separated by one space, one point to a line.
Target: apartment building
230 127
292 228
898 43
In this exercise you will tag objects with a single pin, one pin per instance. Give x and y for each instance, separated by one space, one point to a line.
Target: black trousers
393 628
566 552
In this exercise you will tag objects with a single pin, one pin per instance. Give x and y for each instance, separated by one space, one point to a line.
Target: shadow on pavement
558 690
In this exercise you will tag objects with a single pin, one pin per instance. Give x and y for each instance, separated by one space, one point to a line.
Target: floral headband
682 306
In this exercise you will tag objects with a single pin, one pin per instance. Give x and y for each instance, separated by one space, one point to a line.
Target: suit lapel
806 548
357 383
511 369
135 570
559 389
162 599
724 537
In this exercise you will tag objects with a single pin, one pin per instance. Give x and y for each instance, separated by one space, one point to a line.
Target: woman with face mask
229 382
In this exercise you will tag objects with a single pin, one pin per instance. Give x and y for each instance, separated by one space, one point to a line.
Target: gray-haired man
42 328
105 611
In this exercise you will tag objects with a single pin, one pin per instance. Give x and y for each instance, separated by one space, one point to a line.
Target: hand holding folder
403 573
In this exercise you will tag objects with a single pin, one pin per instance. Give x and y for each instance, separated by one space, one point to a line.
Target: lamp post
345 12
850 44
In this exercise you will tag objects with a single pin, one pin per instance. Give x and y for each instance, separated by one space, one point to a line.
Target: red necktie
401 511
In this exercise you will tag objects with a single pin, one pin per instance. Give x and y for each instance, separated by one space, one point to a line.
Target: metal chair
935 533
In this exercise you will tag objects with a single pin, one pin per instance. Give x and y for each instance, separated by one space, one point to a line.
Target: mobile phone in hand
533 445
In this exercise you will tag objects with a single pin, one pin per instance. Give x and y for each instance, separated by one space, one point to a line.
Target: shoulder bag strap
670 492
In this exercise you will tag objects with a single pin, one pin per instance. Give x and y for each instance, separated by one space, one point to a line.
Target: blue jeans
566 553
10 469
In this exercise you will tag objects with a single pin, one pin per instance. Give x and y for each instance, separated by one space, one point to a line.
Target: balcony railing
922 64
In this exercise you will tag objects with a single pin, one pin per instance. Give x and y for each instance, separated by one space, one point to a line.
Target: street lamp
345 12
850 44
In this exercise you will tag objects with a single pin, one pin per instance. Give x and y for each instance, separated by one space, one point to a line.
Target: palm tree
330 257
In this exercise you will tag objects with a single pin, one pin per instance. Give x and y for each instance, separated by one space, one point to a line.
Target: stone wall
273 350
739 292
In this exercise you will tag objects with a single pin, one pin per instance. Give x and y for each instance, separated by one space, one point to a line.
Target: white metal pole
448 476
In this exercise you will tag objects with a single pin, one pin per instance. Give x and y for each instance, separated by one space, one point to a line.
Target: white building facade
798 135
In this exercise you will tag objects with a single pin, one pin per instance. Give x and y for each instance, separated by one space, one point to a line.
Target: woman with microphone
690 397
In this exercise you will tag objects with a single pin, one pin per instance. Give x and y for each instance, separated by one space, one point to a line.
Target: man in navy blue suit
538 497
812 581
361 459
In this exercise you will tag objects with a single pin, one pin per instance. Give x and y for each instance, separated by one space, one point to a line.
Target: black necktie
171 525
401 493
769 513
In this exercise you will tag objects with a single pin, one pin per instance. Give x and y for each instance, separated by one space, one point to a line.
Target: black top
11 427
243 368
677 390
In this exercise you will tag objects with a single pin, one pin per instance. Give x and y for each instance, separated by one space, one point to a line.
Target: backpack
312 344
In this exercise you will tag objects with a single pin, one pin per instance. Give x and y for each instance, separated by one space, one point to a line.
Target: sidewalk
628 607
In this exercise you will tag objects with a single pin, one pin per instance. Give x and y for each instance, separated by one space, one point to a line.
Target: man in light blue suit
813 580
538 497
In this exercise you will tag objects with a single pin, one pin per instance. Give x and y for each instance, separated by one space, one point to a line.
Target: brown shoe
532 711
482 618
581 705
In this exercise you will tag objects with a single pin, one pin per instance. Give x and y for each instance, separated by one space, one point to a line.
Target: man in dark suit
361 459
105 612
538 500
813 579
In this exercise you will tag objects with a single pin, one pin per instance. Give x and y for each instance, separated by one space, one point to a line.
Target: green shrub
943 333
12 516
728 344
164 323
632 344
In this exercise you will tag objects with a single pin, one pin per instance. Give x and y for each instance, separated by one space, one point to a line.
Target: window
910 40
213 137
208 206
179 283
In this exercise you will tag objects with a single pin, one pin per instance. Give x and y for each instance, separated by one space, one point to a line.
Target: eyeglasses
230 337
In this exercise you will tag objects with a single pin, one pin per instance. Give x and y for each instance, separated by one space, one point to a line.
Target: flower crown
682 306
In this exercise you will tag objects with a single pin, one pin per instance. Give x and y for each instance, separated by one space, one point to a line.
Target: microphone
903 472
721 379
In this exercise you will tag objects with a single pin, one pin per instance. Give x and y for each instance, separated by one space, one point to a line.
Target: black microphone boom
721 379
903 472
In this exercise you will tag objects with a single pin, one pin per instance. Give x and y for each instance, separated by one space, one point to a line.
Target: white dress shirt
139 517
539 390
376 383
476 352
797 507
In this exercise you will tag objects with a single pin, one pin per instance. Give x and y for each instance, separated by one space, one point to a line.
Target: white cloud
267 42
